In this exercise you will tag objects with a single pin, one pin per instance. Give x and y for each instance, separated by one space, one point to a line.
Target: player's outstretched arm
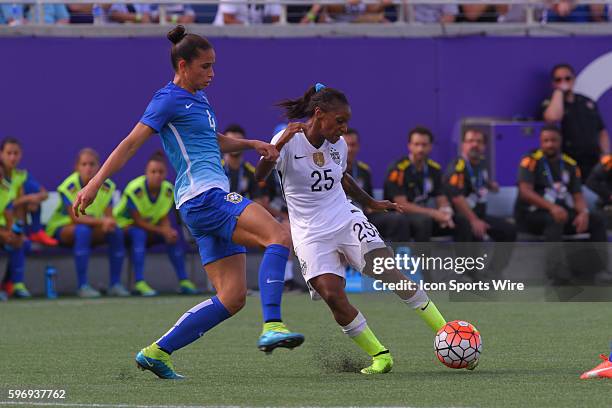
231 145
351 188
117 159
265 165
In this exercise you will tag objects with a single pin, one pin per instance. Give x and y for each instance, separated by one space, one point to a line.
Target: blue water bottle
50 275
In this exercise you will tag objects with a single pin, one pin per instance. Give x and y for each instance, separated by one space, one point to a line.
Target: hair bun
177 34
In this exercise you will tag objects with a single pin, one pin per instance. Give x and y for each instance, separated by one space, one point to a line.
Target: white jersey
311 183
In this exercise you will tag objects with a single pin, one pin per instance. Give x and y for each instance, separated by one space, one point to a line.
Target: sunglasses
566 79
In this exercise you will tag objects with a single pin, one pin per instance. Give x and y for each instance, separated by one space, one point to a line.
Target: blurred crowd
243 12
449 201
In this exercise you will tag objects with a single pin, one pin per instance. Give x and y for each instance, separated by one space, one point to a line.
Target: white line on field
61 404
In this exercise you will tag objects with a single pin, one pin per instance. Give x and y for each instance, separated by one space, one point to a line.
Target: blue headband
319 86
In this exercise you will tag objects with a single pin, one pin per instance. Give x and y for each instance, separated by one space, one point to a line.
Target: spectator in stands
175 13
467 185
550 200
480 13
585 137
88 13
568 11
435 13
600 181
392 225
27 194
353 11
415 180
53 14
97 227
244 13
13 242
130 13
11 14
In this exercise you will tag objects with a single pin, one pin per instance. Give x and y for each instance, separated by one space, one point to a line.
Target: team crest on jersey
318 158
233 198
335 155
303 266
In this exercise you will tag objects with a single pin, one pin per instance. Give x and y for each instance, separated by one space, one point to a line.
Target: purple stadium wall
59 95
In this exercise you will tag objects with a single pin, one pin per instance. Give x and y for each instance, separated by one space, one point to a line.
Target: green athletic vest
153 212
5 200
18 177
70 187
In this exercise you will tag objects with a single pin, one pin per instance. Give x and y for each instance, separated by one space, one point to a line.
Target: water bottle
98 14
17 230
50 275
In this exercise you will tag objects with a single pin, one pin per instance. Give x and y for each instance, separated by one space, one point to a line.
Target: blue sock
82 249
35 225
193 324
177 258
138 238
272 281
16 264
116 253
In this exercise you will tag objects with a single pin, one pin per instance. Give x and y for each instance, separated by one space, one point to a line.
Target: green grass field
533 355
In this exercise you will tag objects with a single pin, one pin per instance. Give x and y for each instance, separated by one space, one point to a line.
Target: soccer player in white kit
324 224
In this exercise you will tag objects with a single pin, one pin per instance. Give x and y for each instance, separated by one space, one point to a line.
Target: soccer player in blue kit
222 222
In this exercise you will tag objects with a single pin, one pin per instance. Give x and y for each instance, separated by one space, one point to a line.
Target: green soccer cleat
187 287
20 291
152 358
143 289
276 334
381 364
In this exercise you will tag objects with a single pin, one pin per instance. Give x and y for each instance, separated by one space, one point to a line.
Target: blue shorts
212 217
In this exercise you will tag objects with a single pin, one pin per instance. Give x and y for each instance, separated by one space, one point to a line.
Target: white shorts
354 240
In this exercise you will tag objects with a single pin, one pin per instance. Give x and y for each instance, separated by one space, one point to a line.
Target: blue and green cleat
276 334
152 358
186 287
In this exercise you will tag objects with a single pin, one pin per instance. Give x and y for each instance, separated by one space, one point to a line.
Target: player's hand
581 222
479 228
84 198
559 214
14 240
267 151
292 129
108 224
441 217
384 205
170 235
494 186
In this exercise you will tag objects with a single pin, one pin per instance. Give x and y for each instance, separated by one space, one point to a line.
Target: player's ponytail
185 46
325 98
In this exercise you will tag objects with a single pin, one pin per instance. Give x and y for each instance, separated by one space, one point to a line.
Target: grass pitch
532 356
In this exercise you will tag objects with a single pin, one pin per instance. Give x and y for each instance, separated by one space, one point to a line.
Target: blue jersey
188 129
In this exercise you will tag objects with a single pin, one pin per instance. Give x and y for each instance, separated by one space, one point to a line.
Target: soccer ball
457 344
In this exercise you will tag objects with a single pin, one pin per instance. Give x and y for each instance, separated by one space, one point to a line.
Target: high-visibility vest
70 187
152 211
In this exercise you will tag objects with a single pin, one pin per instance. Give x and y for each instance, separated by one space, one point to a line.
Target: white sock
417 300
356 327
289 270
